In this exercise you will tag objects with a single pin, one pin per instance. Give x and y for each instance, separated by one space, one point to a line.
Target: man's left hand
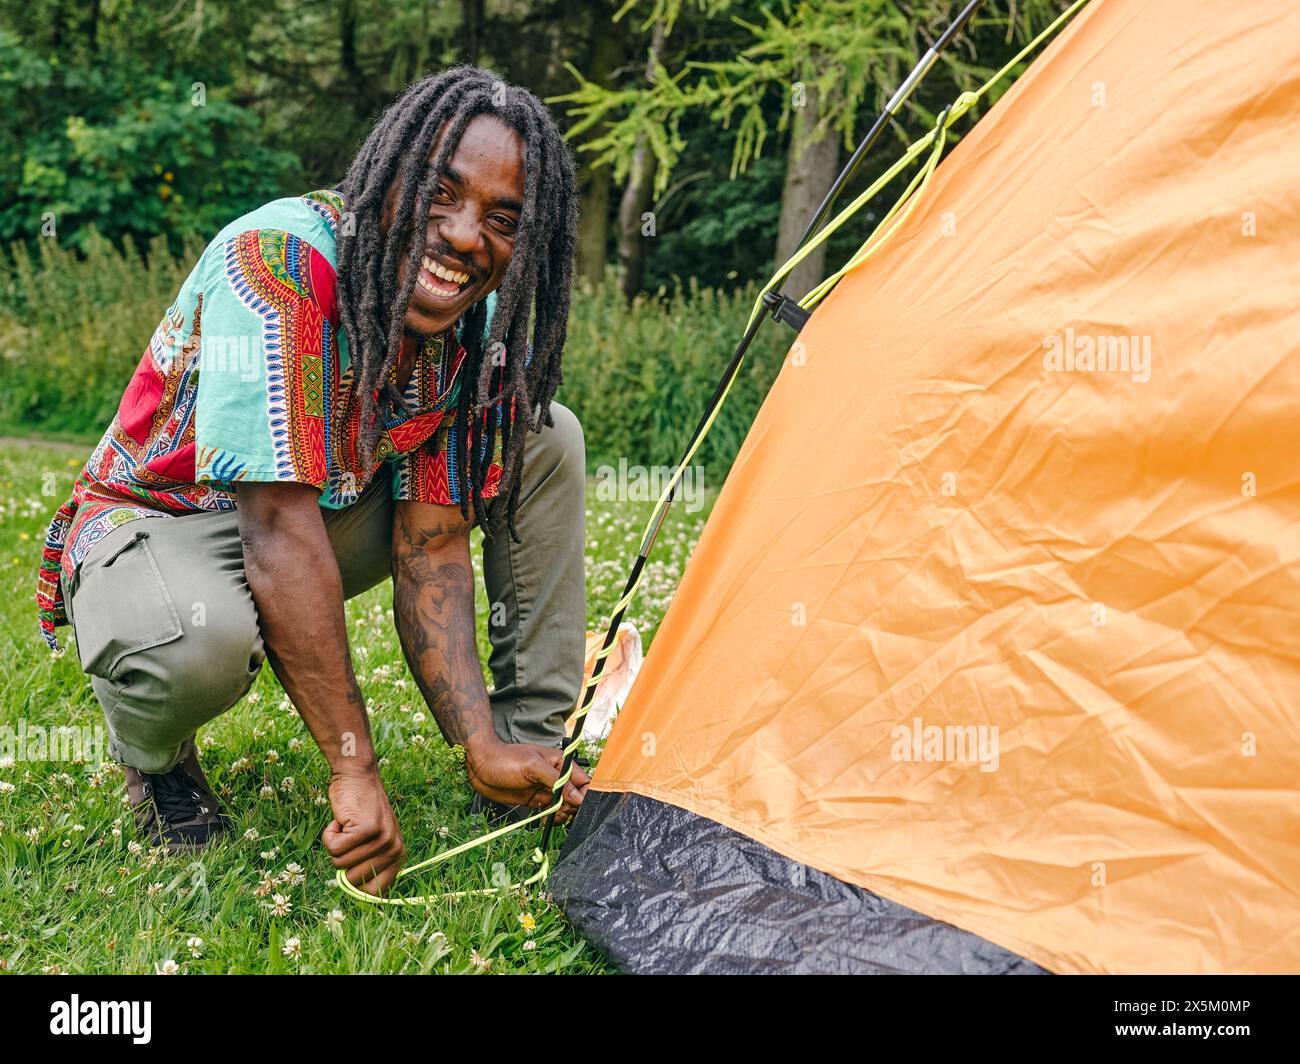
523 774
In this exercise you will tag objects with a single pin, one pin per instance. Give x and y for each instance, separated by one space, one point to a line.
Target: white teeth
439 270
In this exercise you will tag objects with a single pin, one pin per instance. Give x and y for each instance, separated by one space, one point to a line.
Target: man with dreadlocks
345 384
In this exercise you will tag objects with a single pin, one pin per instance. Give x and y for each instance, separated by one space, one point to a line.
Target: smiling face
469 235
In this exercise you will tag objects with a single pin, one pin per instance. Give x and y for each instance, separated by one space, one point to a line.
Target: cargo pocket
121 606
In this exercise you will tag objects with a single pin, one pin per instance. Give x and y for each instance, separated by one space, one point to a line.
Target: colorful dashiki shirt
247 378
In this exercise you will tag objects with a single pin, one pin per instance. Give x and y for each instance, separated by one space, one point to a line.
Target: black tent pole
890 110
647 542
783 309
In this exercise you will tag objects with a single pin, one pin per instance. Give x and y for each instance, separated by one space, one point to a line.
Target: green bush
115 147
73 327
639 376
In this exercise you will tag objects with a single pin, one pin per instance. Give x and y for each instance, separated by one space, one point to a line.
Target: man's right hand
363 837
291 571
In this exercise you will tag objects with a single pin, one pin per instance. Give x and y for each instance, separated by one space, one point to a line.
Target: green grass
79 894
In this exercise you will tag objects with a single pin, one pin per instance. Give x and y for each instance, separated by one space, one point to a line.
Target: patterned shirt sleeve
269 361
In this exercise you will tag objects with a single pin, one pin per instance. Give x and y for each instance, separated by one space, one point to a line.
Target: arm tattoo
433 606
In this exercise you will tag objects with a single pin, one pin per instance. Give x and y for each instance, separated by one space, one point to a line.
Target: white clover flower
334 919
168 967
195 945
280 905
292 948
529 946
267 791
6 787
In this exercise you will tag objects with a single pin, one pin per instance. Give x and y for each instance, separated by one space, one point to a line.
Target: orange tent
991 639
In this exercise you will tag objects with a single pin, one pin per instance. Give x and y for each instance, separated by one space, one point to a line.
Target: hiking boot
497 812
176 809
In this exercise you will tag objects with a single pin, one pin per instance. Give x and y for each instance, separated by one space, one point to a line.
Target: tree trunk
348 47
637 193
593 207
471 28
809 173
92 30
593 224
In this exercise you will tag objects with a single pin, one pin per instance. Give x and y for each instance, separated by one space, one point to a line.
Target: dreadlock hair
537 282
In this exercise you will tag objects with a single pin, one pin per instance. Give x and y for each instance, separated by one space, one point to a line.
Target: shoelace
175 796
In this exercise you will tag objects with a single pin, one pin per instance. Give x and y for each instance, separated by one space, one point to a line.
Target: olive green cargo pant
167 630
